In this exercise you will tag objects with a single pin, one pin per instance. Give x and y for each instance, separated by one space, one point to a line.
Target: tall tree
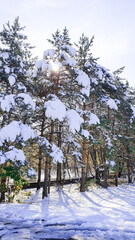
15 102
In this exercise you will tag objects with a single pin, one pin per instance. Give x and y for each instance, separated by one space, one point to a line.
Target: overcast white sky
111 21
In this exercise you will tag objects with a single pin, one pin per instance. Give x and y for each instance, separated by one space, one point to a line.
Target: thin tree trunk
97 176
58 173
40 153
59 178
46 185
84 158
105 177
39 170
116 176
129 170
3 188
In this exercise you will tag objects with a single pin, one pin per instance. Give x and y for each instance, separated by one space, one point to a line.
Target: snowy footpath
97 214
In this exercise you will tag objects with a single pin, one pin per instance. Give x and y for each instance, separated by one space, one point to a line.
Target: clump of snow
56 154
68 61
112 163
71 140
2 158
31 172
7 69
103 71
4 55
11 80
70 50
8 102
78 155
133 110
85 133
45 66
27 100
74 120
21 35
38 64
94 119
26 132
94 80
15 129
10 132
15 154
108 141
21 87
84 81
43 141
49 52
111 104
100 74
55 109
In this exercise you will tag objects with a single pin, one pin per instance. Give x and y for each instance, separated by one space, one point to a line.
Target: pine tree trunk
58 173
84 158
39 170
3 187
97 176
116 177
83 180
59 178
129 170
45 184
105 177
40 153
49 177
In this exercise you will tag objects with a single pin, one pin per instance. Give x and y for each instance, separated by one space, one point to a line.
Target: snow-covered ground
68 214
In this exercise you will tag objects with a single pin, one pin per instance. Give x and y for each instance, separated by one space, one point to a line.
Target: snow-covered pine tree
16 104
60 77
124 128
102 99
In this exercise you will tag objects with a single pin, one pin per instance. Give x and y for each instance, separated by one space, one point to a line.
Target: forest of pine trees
62 112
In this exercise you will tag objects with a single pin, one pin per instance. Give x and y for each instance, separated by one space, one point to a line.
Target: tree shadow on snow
90 200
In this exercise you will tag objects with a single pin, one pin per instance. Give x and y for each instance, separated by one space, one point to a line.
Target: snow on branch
56 154
111 104
8 102
13 154
49 52
27 100
70 50
84 81
85 133
74 120
12 79
15 129
94 119
68 61
55 109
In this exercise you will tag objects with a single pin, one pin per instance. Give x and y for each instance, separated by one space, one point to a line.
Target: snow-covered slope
105 213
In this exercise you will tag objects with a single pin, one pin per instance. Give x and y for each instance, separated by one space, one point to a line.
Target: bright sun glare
55 67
